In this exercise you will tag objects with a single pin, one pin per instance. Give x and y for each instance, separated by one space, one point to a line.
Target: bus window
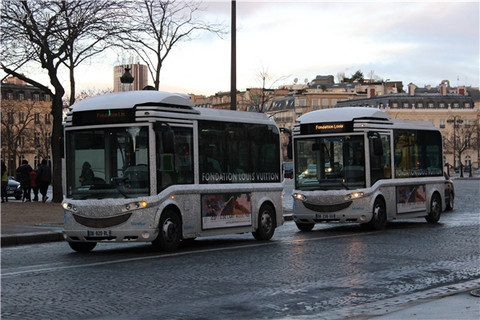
380 167
174 165
417 155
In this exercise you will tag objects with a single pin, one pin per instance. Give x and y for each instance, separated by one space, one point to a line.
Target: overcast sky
423 42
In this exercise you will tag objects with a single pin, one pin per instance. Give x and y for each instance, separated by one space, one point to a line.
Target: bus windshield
330 163
107 163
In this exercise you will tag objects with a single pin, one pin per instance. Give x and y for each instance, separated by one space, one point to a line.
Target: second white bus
357 164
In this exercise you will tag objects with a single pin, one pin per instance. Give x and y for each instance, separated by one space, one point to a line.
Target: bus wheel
435 209
305 227
450 201
82 246
266 223
379 218
170 232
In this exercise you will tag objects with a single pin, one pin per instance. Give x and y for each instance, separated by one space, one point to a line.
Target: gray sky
423 42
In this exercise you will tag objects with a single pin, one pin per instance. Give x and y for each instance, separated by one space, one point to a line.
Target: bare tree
159 25
259 102
51 34
463 138
17 131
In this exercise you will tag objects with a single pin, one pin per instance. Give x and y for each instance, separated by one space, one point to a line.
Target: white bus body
148 166
357 164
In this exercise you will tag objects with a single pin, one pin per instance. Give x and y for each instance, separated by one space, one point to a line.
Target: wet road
334 272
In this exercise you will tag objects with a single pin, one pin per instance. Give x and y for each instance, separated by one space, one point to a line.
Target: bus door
174 154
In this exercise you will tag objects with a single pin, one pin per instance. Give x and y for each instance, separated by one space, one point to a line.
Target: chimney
411 89
443 88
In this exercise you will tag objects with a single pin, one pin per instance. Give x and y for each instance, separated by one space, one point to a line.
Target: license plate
325 216
99 233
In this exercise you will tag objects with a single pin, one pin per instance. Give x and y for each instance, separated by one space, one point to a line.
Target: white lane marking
35 269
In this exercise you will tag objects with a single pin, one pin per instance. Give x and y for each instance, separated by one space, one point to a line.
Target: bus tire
169 231
435 209
82 246
379 215
305 227
450 201
266 223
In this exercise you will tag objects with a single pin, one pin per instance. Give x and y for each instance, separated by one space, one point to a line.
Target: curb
30 238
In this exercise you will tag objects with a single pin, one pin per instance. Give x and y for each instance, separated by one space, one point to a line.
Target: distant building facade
454 110
139 73
26 124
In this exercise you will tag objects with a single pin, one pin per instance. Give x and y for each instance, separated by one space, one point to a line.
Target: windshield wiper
119 181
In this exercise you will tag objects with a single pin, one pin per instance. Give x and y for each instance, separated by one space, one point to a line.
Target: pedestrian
23 176
4 182
44 177
33 184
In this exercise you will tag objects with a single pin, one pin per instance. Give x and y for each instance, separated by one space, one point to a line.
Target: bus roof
125 100
343 114
157 101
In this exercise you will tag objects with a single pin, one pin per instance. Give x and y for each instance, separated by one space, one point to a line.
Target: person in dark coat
23 176
44 177
4 182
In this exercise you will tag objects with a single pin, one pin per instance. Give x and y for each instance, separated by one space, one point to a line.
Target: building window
315 102
21 117
456 105
467 142
420 105
467 123
394 105
36 97
10 96
36 138
47 118
441 105
431 105
21 96
302 102
48 98
467 104
37 118
10 117
405 105
442 123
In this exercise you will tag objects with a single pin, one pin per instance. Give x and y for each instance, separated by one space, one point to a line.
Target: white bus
148 166
357 164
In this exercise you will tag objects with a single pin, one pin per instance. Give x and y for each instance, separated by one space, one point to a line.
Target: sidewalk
37 222
30 222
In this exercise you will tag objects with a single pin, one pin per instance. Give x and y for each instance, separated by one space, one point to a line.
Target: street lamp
456 121
127 78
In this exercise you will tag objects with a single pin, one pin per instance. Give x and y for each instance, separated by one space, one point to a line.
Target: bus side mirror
289 149
289 144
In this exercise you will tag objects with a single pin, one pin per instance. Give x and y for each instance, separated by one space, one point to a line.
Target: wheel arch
170 206
262 203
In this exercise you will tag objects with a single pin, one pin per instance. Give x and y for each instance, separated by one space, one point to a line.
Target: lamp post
456 121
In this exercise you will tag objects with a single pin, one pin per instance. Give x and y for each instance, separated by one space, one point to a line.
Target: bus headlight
69 207
354 195
134 205
299 196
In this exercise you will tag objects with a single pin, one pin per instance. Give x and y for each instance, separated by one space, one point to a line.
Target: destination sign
103 117
329 127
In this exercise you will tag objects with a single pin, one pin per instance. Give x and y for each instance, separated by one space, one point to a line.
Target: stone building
139 72
26 124
454 110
